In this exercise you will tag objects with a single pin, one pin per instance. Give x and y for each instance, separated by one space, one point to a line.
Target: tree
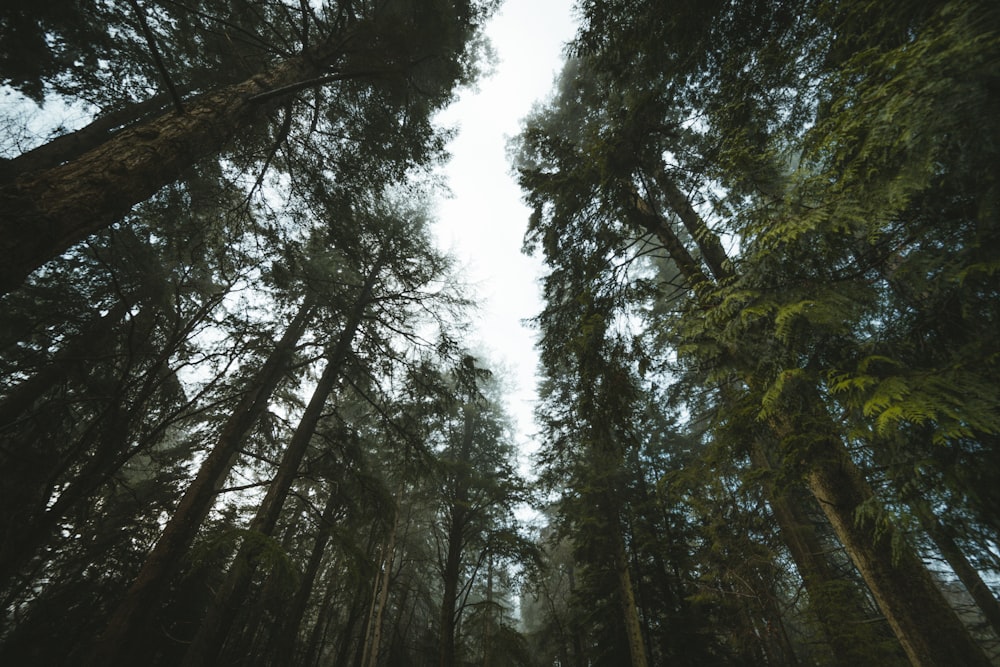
383 53
731 123
476 491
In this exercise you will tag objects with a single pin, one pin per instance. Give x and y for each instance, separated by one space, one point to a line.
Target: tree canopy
241 421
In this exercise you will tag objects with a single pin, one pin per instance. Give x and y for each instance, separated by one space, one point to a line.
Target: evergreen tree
386 68
657 127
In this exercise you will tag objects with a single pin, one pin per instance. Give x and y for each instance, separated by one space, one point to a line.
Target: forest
242 421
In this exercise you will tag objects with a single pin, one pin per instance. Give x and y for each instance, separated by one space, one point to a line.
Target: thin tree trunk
577 633
384 577
318 632
212 632
712 252
969 576
283 644
449 599
453 555
127 625
626 592
488 616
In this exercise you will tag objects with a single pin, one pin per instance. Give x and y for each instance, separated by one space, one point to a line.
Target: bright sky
483 225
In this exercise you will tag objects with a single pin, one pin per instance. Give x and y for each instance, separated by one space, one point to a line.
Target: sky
483 223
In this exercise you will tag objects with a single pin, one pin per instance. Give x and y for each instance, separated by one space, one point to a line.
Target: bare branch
157 59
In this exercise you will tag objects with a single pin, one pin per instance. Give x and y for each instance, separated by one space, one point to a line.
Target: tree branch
157 59
310 83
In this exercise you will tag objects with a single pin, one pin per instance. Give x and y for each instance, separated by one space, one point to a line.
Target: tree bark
127 624
73 144
836 601
626 593
712 252
927 627
924 623
215 627
46 212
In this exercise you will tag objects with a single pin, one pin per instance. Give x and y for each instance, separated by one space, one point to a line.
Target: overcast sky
483 224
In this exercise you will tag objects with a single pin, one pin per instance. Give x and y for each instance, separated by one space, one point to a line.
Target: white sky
483 225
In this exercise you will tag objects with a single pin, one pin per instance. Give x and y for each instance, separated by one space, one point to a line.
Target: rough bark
73 144
47 212
127 624
926 626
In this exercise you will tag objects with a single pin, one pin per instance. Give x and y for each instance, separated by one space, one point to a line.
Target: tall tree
409 55
477 490
730 125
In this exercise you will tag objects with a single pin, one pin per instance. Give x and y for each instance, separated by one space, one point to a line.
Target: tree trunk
47 212
453 558
943 539
835 600
830 595
927 627
317 634
969 576
633 626
384 577
73 144
488 616
283 643
127 625
712 252
213 630
449 599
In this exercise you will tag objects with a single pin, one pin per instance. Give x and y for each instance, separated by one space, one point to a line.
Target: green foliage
844 153
128 359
